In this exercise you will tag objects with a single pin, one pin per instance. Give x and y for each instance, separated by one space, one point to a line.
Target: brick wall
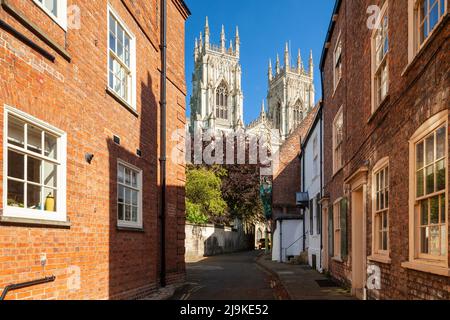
71 96
286 181
415 94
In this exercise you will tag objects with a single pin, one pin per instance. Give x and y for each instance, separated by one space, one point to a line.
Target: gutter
331 27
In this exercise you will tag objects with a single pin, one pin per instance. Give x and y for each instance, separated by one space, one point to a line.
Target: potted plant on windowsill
14 203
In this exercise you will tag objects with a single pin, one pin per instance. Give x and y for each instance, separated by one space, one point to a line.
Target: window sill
125 104
380 258
426 44
13 11
378 109
337 259
130 229
34 222
337 172
428 267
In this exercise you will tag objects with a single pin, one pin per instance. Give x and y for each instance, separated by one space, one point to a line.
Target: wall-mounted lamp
89 157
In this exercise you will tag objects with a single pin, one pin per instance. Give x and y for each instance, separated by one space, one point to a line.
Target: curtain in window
344 242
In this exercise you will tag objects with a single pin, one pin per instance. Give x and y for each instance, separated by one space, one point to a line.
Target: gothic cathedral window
222 102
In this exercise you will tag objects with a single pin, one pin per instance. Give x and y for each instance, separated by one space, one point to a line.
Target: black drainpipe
163 158
281 240
303 190
321 181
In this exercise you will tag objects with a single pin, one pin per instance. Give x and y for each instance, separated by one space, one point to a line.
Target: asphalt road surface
229 277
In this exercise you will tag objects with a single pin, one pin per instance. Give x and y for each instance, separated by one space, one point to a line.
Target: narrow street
229 277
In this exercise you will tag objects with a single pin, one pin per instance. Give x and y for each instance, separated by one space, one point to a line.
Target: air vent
139 153
116 140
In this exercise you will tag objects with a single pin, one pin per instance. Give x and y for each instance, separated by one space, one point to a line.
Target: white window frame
382 165
377 68
414 45
61 18
130 224
336 81
338 166
337 234
316 157
13 212
415 255
132 90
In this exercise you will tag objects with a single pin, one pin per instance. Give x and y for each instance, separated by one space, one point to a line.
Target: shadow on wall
134 253
211 240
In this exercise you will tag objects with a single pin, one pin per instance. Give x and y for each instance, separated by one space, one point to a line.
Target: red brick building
80 118
386 101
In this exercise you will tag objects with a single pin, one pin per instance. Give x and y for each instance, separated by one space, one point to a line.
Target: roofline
313 125
183 3
183 8
331 27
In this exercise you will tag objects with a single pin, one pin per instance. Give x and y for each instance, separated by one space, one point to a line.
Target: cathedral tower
291 93
217 99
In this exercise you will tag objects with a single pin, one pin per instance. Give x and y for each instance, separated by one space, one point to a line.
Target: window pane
50 200
127 213
435 241
434 16
424 240
120 211
52 6
440 143
440 176
419 182
127 176
15 194
50 146
121 194
385 220
112 24
127 196
442 5
134 198
134 214
434 210
443 211
34 197
16 165
120 174
385 241
120 42
16 132
424 213
386 198
443 240
430 179
134 180
429 142
34 139
419 156
50 174
34 170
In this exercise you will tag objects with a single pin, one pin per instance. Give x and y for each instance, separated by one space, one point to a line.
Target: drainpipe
163 155
281 241
303 190
321 182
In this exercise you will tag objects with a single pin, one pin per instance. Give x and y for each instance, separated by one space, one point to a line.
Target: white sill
439 268
380 258
34 222
120 100
31 214
337 259
125 226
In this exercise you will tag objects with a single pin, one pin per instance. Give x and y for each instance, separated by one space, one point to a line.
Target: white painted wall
292 231
312 174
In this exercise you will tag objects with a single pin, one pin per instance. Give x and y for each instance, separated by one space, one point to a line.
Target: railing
17 286
286 249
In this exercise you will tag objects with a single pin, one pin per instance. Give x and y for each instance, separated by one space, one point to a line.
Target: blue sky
264 28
